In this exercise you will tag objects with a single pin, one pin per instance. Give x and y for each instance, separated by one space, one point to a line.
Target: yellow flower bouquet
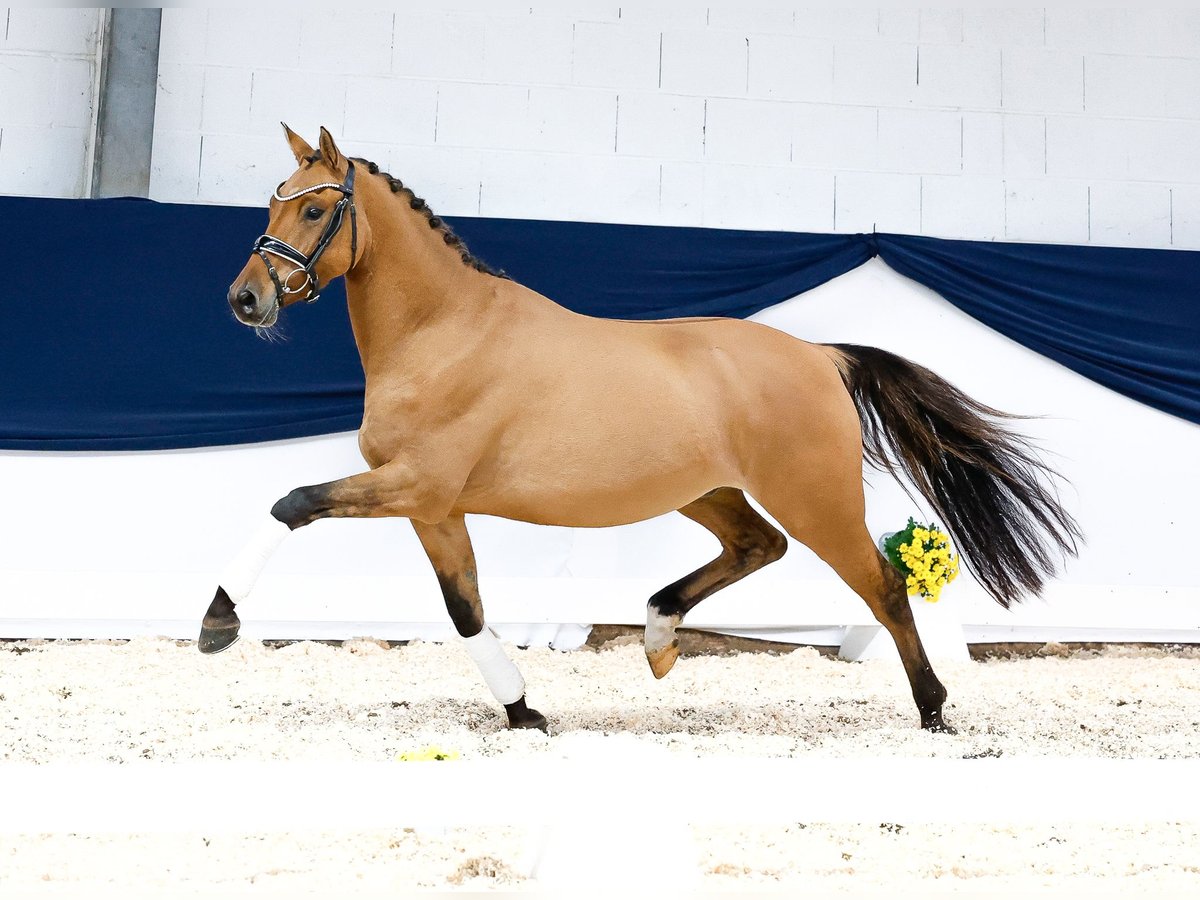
922 554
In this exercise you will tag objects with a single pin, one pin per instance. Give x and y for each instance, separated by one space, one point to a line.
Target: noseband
306 264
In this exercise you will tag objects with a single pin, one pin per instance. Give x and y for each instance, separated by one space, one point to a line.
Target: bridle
306 264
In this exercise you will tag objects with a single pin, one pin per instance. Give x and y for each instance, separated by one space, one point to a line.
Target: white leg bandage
501 675
240 575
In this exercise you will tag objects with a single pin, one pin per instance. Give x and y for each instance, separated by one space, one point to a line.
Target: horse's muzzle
249 308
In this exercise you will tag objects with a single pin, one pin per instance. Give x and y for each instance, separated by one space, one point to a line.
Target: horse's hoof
214 640
521 716
535 720
935 725
220 625
660 640
662 660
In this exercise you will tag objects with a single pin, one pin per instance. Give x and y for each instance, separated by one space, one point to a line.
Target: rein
306 264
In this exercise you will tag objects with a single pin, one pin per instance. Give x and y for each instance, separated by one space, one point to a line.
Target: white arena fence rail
557 611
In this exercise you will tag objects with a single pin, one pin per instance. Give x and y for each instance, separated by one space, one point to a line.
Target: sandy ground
160 700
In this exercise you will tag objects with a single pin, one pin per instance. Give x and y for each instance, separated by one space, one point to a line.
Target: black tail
985 483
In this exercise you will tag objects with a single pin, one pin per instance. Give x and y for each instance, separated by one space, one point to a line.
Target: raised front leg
449 549
390 490
748 542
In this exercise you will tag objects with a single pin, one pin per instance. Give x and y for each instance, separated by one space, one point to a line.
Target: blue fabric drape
1127 318
116 335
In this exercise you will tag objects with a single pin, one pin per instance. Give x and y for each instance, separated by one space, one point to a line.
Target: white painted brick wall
248 37
379 110
666 126
938 25
608 54
372 57
969 207
528 185
836 137
58 32
898 24
681 194
1094 113
44 161
765 17
27 94
784 199
482 115
838 23
1005 27
573 120
1128 85
1023 145
449 178
705 62
225 107
1132 215
875 73
877 201
1043 210
1185 217
427 46
749 131
236 165
789 67
528 51
920 141
989 124
982 143
959 75
1130 31
334 101
47 77
1041 80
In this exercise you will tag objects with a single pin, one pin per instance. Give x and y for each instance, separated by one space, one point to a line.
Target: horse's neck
410 294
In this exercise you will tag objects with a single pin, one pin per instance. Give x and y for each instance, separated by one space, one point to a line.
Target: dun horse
483 396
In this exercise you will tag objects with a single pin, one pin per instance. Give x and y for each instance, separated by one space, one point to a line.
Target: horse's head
315 233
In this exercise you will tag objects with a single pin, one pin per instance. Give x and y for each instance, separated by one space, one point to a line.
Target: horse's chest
388 428
427 430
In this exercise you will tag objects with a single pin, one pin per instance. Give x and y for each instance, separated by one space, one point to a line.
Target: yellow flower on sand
426 754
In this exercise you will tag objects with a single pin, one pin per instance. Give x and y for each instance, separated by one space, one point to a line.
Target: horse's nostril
247 300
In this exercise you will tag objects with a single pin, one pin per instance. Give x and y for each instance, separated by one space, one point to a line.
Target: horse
484 397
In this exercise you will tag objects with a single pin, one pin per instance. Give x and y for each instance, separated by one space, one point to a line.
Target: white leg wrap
500 673
240 575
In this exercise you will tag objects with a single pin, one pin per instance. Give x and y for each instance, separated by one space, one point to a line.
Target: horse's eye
314 213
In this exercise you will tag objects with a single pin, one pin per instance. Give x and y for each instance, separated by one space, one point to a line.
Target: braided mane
435 222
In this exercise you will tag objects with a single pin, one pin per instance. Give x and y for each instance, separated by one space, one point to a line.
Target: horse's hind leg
448 547
748 542
854 556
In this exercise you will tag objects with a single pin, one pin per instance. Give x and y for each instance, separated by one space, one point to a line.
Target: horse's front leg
390 490
449 549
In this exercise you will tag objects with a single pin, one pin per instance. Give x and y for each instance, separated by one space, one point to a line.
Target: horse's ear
300 148
329 151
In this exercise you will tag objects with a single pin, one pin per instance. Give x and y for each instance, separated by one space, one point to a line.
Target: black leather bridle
269 244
